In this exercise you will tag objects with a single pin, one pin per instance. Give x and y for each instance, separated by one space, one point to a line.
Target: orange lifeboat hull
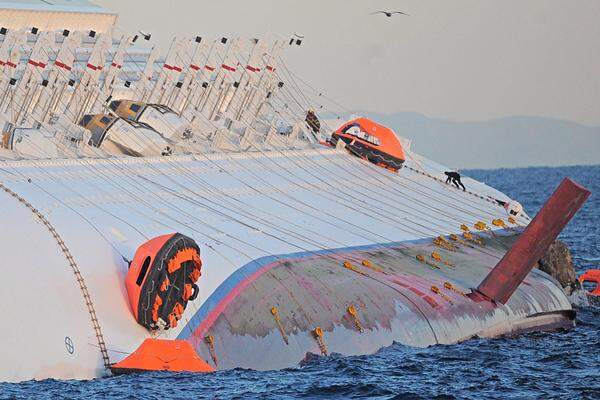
371 141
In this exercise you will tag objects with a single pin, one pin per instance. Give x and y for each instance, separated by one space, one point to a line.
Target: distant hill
506 142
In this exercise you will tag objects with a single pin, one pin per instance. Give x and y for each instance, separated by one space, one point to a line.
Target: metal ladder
82 286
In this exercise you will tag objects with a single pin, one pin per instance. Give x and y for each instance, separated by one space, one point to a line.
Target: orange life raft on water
162 355
592 275
371 141
162 279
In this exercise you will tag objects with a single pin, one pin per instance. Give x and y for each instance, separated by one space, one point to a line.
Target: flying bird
389 13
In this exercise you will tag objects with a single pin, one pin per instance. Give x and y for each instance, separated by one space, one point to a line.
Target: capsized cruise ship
193 204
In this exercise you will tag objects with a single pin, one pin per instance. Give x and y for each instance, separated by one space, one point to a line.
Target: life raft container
162 279
592 275
371 141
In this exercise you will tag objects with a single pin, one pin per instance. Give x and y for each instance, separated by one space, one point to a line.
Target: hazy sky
459 59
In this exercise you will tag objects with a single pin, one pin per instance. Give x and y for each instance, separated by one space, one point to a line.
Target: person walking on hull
454 177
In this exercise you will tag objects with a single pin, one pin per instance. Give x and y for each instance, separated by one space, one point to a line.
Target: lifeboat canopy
371 141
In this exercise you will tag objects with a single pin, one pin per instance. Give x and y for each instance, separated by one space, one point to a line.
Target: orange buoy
162 279
592 275
162 355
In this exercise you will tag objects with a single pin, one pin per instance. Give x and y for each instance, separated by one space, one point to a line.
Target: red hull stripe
11 64
36 64
63 66
94 67
194 67
253 69
119 66
228 68
272 69
173 68
209 68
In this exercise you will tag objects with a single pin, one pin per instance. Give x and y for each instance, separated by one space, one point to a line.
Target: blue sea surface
557 365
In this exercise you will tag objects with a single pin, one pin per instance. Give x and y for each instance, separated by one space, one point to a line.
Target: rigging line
373 166
450 204
73 210
142 200
370 181
444 228
286 68
294 83
266 233
297 88
335 259
138 211
404 212
428 234
322 194
67 206
31 161
321 94
401 193
478 197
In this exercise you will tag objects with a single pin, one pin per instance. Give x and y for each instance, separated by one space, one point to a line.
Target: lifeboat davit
591 276
371 141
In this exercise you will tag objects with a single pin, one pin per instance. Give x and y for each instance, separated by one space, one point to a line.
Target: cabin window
114 105
85 120
105 120
143 271
135 107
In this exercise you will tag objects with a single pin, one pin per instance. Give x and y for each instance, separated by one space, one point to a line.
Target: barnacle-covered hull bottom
363 299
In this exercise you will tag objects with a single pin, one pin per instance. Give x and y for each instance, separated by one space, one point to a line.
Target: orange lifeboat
371 141
593 276
162 279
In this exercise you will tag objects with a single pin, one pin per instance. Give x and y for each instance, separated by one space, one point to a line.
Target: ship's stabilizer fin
533 243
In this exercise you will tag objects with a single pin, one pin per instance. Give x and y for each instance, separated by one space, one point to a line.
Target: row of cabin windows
133 107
